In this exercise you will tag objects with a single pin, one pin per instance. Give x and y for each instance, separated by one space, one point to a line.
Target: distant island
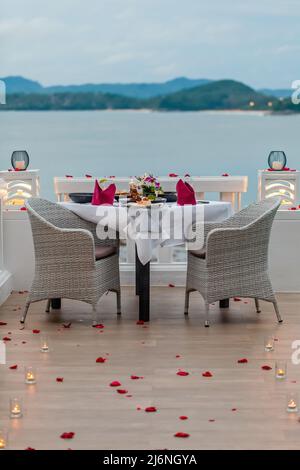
180 94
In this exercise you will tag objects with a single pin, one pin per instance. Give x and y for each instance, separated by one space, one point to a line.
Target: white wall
18 248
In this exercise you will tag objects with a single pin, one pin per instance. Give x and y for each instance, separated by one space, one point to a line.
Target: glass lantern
20 160
277 160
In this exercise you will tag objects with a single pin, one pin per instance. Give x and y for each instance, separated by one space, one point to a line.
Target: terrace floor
240 407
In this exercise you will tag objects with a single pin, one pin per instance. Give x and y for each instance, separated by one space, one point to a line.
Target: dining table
162 225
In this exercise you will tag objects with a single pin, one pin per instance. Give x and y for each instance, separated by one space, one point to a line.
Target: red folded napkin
103 196
185 193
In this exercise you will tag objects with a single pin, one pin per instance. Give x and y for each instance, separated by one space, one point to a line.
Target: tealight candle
30 375
44 344
269 343
20 165
3 439
280 370
15 408
277 165
292 403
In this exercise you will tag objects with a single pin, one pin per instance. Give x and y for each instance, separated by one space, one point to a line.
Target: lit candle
3 439
44 344
269 343
292 406
280 370
277 165
20 165
30 375
15 408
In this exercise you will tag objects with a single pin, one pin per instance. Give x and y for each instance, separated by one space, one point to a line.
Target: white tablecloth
165 226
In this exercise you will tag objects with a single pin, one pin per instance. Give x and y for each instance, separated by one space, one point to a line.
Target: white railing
229 189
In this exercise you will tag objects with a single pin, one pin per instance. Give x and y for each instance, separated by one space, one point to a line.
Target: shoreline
149 111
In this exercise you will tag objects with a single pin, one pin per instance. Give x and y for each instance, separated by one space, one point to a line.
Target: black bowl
81 198
170 196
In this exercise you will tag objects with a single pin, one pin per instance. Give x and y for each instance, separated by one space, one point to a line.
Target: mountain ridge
219 95
19 84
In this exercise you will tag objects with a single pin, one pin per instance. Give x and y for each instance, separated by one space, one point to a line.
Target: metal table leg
143 288
56 304
224 303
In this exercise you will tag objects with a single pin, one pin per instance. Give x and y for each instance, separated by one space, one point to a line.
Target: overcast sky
76 41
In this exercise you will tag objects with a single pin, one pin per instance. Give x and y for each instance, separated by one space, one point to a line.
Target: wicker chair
70 260
234 260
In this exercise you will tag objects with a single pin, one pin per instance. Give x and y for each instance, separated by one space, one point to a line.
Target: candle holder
20 160
280 370
30 375
3 439
15 408
44 344
269 343
292 403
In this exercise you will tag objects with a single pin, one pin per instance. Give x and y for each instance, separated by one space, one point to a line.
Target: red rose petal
171 285
177 356
67 435
69 176
211 420
243 361
99 326
29 448
140 322
266 367
173 175
59 379
183 418
207 374
14 367
88 176
23 208
187 175
233 409
115 383
122 391
67 325
151 409
101 360
36 332
136 377
237 299
225 174
181 434
6 338
182 373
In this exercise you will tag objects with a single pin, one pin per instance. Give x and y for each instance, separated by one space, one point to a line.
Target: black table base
56 304
142 288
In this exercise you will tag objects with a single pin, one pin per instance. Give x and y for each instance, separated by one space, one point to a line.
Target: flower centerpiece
150 186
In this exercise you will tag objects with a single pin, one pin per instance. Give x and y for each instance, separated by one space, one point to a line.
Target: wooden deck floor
240 407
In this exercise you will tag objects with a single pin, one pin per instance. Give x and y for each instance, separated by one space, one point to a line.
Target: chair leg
187 302
257 306
95 319
23 318
48 306
279 319
207 323
118 302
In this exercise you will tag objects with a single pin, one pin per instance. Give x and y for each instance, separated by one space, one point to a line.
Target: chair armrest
70 248
230 247
239 219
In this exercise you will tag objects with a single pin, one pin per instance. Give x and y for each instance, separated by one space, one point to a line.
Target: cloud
71 41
